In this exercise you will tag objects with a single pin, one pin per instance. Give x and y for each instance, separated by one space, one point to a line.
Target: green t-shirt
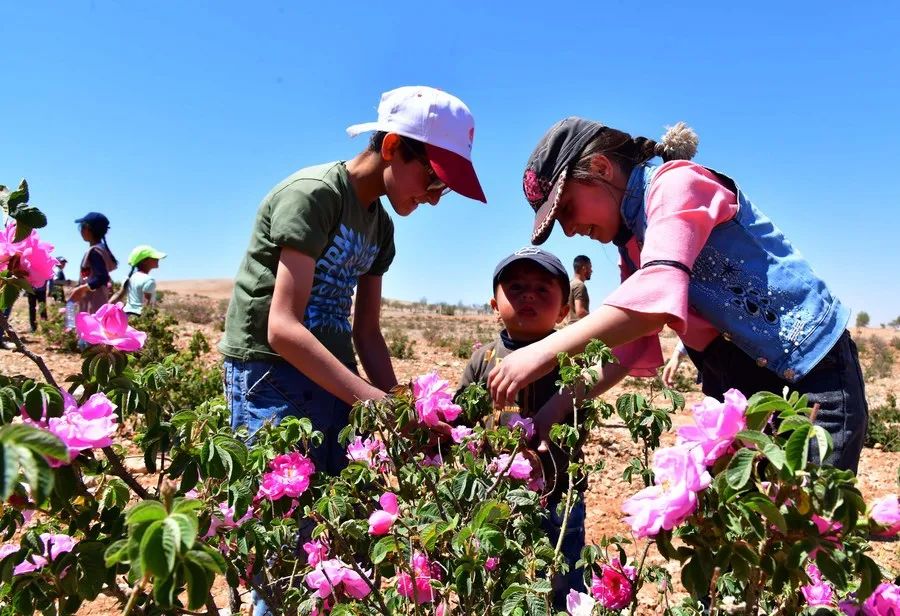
316 212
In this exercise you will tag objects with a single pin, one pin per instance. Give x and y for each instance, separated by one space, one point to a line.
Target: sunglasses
436 183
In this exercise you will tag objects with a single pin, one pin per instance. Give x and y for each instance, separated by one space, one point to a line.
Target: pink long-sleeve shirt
684 202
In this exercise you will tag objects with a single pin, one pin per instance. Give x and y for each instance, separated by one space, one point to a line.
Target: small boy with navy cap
531 297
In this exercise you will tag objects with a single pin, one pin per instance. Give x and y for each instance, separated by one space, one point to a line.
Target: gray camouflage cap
547 167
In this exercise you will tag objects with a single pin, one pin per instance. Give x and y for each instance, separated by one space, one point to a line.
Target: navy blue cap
547 260
95 220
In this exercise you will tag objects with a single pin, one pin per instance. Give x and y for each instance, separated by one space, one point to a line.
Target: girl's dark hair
679 143
100 236
412 148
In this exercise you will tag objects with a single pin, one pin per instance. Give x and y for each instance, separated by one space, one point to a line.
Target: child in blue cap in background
93 285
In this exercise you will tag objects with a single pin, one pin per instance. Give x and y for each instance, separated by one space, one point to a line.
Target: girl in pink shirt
696 255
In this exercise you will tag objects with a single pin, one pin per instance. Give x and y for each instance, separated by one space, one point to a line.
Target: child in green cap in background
139 289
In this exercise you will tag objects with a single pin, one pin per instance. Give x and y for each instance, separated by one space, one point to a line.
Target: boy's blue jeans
260 391
573 542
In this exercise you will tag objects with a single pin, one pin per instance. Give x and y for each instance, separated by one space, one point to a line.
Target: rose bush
415 524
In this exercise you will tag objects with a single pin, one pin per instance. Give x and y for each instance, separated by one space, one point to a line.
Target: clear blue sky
175 119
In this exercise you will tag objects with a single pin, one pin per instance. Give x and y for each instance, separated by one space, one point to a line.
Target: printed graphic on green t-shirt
316 212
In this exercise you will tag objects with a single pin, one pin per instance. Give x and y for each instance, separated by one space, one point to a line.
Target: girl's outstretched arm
614 326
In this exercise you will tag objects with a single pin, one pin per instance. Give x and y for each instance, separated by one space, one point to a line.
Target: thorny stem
713 582
637 576
135 592
20 347
568 507
115 462
333 532
122 473
430 484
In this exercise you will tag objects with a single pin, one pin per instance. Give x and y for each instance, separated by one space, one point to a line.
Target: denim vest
752 285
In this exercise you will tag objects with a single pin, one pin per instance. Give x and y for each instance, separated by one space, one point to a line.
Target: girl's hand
78 292
517 370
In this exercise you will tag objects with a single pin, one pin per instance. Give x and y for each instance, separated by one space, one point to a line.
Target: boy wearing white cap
320 234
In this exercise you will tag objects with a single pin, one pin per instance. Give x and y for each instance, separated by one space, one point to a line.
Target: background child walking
94 283
141 285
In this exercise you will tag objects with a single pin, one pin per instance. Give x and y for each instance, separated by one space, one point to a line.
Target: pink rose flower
579 604
820 591
316 552
519 469
380 521
54 545
434 399
371 451
90 426
224 518
109 325
716 424
848 607
435 460
514 420
885 513
30 257
460 433
79 428
679 474
424 571
335 576
288 476
614 587
491 563
885 601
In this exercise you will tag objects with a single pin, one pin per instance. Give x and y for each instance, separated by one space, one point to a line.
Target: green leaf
752 436
145 511
870 577
35 439
158 550
115 494
793 422
489 511
117 552
764 505
37 473
28 218
830 569
187 528
797 449
17 197
164 591
740 468
775 455
383 547
201 558
198 584
823 439
9 470
186 505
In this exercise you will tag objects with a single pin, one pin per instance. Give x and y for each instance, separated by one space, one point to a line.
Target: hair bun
679 143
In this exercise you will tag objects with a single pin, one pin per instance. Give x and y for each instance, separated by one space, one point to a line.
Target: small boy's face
529 301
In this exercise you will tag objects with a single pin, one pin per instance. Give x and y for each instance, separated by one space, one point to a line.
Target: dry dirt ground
433 339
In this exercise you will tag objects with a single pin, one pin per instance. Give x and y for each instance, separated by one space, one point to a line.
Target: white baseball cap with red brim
439 120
